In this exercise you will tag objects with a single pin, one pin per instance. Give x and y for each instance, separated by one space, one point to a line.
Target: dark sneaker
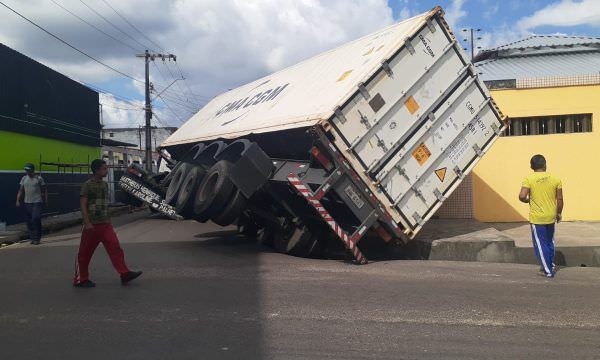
130 275
35 242
85 284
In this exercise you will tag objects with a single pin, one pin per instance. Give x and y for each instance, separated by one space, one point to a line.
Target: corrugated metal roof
549 41
540 56
527 67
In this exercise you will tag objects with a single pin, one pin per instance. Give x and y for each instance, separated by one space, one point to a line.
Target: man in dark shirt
98 229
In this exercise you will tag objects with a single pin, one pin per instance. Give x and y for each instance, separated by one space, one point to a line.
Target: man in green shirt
98 229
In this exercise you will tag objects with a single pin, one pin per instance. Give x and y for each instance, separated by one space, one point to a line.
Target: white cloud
564 13
117 113
455 13
405 13
219 44
491 11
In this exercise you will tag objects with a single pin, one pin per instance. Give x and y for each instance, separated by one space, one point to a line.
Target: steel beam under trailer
349 241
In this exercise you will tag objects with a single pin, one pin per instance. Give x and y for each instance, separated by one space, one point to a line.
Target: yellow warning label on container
421 154
344 75
412 105
441 174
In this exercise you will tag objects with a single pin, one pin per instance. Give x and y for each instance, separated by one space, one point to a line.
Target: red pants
102 233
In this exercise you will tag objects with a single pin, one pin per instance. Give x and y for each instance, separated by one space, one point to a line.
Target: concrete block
488 245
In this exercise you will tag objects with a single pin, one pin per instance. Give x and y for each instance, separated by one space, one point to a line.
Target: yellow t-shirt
542 197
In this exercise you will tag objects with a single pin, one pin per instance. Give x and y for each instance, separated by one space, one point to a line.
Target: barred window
543 125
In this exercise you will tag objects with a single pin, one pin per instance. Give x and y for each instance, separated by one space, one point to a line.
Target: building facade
49 120
549 87
137 135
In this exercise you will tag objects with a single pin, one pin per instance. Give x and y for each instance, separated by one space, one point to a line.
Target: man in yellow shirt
543 192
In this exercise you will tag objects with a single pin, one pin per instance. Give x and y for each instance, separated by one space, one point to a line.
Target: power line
69 45
120 108
133 26
117 96
157 45
188 108
173 95
186 82
113 25
159 120
94 26
169 107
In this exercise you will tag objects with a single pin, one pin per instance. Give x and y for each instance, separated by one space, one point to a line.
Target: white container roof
298 96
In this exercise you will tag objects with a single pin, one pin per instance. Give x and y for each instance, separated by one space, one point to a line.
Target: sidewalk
17 232
577 243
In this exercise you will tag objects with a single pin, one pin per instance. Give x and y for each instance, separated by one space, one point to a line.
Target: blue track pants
543 245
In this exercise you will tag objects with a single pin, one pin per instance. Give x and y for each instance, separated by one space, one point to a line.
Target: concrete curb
491 245
51 226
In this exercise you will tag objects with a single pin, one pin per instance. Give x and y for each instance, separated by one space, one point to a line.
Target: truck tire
187 191
179 173
214 191
296 240
265 236
232 210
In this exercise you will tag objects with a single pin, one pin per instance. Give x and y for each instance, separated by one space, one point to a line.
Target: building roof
110 142
549 40
540 56
170 128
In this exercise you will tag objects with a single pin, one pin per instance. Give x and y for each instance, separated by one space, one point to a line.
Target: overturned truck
368 138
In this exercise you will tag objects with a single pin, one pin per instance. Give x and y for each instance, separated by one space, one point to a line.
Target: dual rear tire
204 195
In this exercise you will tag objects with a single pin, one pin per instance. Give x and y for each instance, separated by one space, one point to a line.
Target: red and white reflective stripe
349 243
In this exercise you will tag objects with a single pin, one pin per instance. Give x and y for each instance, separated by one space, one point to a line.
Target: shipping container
370 137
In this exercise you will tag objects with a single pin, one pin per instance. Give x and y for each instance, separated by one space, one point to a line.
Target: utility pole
473 39
148 56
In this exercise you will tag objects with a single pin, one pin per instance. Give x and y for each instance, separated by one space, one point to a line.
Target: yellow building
549 87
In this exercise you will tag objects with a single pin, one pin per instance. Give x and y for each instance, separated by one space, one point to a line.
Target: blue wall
63 195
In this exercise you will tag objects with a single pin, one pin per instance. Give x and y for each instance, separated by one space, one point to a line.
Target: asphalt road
207 294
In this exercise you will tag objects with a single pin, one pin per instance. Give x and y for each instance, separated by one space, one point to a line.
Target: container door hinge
363 91
418 219
477 150
496 129
439 195
340 115
430 25
409 46
458 171
385 65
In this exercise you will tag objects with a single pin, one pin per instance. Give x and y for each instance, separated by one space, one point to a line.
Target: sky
222 44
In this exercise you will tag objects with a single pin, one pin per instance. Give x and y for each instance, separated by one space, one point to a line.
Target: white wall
137 136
